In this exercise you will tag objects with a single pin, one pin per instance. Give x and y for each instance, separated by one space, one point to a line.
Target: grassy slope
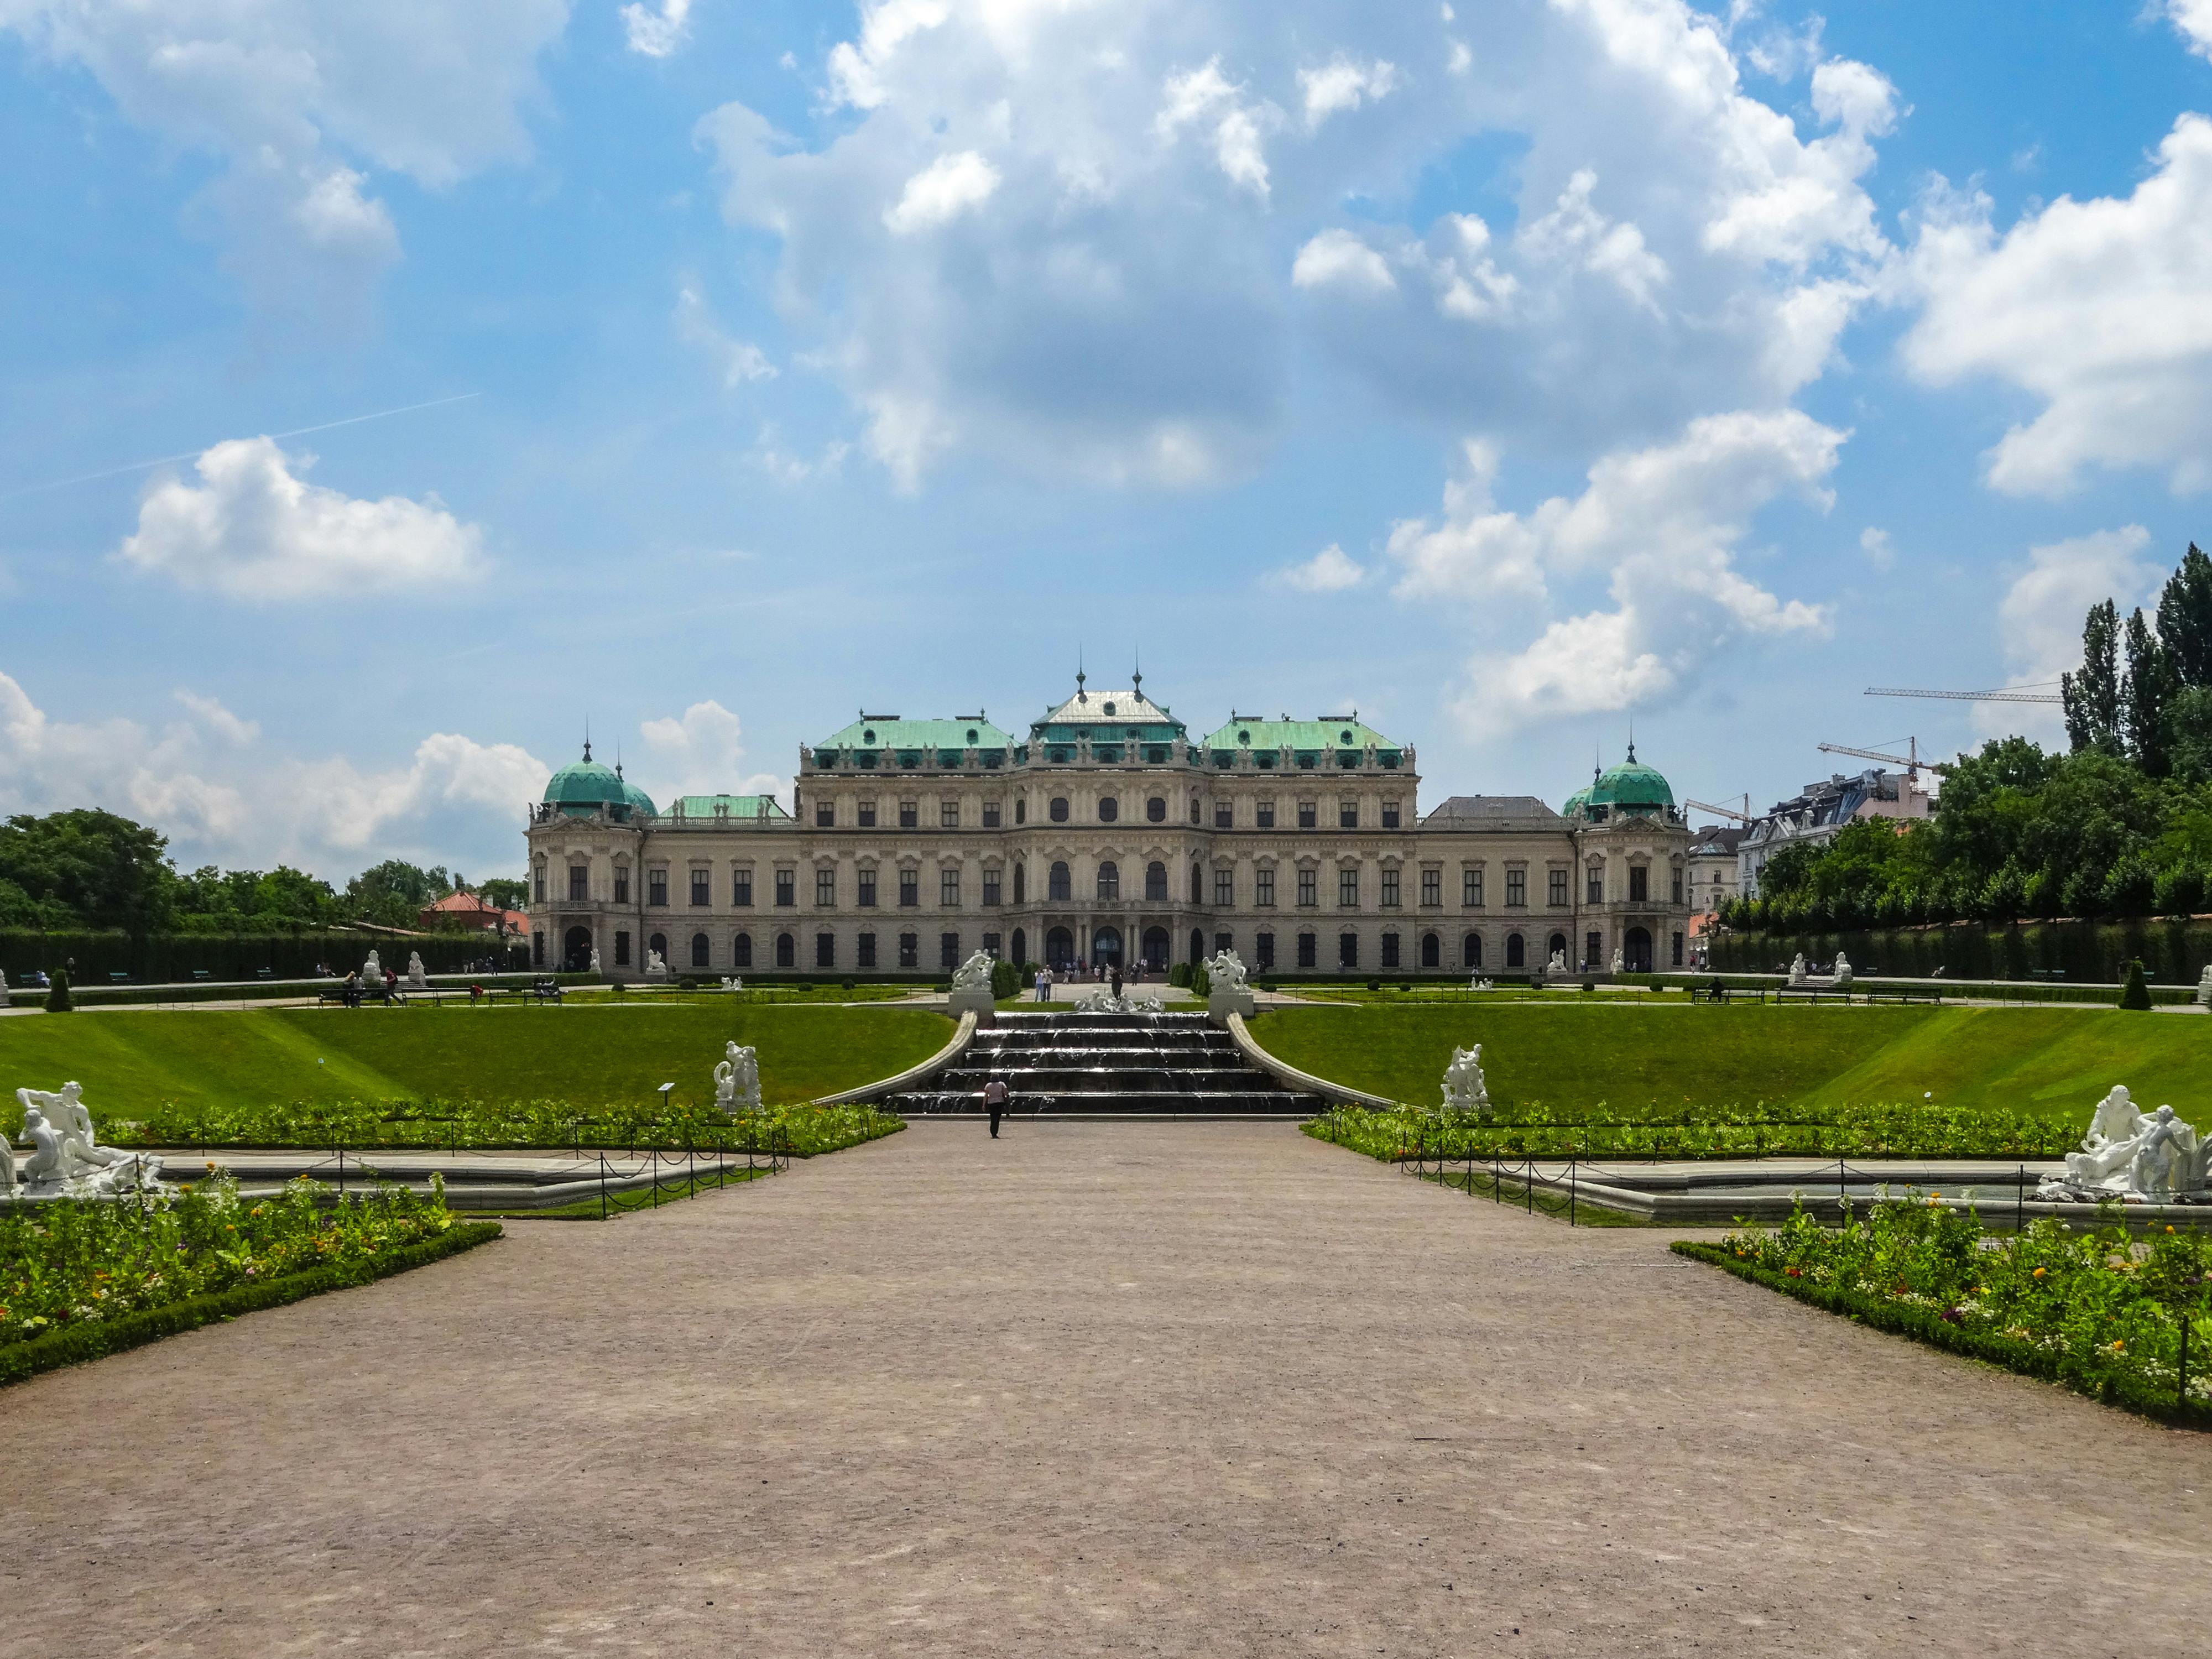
1646 1061
587 1054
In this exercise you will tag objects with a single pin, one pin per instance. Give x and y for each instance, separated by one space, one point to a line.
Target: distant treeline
2171 952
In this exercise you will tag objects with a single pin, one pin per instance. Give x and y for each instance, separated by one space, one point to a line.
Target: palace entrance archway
1635 951
1156 950
1106 946
1059 949
576 950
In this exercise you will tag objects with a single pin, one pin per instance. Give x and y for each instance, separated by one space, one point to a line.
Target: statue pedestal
976 999
1219 1004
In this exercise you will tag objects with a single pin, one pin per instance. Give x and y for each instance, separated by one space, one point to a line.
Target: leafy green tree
508 893
2091 694
2134 993
2185 619
391 894
2189 735
105 871
2143 692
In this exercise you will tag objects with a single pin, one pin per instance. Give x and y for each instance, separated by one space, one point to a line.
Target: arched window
1470 952
702 952
1156 880
1432 951
1197 946
1194 809
1156 809
1109 809
1021 888
1059 809
1109 880
787 951
1059 883
1197 886
1516 955
658 945
1021 947
1021 809
741 950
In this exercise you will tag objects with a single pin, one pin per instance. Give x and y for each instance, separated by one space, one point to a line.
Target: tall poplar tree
2091 694
2184 621
2143 696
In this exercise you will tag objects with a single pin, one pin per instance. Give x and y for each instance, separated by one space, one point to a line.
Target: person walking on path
1044 984
995 1101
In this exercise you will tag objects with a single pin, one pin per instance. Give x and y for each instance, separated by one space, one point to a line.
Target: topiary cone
2134 993
58 993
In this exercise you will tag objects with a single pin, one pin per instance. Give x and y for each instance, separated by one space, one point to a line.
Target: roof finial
587 737
1080 696
618 756
1137 674
1631 739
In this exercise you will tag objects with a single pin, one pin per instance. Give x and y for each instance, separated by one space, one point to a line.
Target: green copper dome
1631 787
585 786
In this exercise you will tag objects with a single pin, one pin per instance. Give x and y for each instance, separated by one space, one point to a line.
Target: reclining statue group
67 1160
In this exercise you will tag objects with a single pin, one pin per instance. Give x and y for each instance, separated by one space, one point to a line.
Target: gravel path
1164 1388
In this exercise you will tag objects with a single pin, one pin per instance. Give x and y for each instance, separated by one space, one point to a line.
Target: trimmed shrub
1180 973
1201 983
2134 993
58 993
1005 980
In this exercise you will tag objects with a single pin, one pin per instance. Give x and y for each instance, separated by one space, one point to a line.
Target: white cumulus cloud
657 33
2040 618
1344 84
702 752
736 360
943 190
1330 571
2193 19
253 529
1340 256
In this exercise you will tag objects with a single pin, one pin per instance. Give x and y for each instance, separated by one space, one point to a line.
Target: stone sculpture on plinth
2204 988
2138 1159
655 967
417 980
372 972
971 987
67 1160
595 959
737 1081
1620 963
1227 993
1463 1086
1797 969
1557 964
1843 971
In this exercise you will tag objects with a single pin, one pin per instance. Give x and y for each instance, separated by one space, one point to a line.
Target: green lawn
131 1060
1650 1061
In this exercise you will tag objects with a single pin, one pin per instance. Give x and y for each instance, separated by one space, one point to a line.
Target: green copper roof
1343 732
891 732
737 806
1631 786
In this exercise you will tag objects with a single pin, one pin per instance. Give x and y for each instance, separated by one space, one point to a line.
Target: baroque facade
1107 833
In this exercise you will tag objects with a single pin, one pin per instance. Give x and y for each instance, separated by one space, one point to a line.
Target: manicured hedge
171 957
73 1344
2113 1386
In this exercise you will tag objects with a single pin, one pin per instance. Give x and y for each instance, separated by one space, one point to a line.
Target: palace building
1107 833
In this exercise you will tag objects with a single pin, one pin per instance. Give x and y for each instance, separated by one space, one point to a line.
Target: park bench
117 976
200 976
545 989
263 973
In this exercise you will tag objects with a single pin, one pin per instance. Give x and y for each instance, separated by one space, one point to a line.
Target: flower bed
1907 1130
2093 1307
803 1131
78 1280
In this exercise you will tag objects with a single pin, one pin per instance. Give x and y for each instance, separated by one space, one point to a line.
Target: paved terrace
1186 1389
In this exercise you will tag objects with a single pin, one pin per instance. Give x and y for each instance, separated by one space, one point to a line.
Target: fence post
602 1186
1571 1190
1529 1191
2019 1206
2184 1359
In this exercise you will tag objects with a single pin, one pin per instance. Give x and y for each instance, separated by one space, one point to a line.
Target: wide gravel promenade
1194 1389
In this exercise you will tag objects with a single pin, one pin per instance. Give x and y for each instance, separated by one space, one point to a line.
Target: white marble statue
67 1159
655 968
1479 983
1797 969
975 973
2131 1156
1225 971
1620 962
1103 1001
2204 988
1843 970
737 1081
371 971
732 982
1557 964
417 980
595 958
1464 1088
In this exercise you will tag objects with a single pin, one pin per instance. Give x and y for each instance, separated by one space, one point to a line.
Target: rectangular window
825 950
825 888
948 815
1264 815
1640 883
1308 814
1676 895
1555 890
868 815
867 890
948 950
622 950
1389 815
701 889
990 814
1223 942
1225 815
1678 949
1593 889
909 949
1593 952
786 888
910 815
1389 949
1347 815
1263 888
1348 887
948 887
541 887
1307 956
1390 891
995 944
909 889
1263 951
1432 887
621 884
1516 889
656 890
1307 880
1224 887
991 888
1347 950
580 882
741 889
1470 888
865 951
825 815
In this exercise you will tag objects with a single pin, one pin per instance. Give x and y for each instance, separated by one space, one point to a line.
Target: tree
105 871
2091 694
2185 619
507 893
2134 993
391 894
2189 735
58 1002
2143 696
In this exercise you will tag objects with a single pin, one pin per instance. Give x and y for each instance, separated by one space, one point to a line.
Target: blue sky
1513 373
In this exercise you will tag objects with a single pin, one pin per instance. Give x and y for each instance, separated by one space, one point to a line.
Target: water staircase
1108 1065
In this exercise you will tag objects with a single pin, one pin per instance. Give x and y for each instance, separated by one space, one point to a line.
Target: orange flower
2040 1272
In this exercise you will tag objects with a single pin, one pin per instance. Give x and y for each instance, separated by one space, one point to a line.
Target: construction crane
1743 816
1910 761
2001 694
